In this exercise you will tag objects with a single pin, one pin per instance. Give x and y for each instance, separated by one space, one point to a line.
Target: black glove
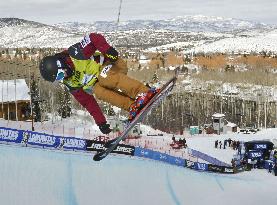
112 54
105 128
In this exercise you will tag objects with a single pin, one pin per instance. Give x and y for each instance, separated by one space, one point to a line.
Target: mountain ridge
195 31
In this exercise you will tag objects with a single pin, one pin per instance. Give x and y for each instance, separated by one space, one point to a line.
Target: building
14 100
218 122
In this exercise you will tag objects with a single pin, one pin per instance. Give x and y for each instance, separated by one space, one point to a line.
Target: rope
117 22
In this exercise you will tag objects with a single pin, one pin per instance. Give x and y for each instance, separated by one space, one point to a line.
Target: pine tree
35 98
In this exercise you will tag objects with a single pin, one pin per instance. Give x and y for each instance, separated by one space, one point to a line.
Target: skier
93 66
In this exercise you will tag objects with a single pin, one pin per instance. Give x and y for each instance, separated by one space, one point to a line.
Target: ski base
112 144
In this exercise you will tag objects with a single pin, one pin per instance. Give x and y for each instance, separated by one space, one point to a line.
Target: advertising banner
228 170
11 135
72 143
260 146
39 139
215 168
92 145
146 153
254 154
200 166
221 169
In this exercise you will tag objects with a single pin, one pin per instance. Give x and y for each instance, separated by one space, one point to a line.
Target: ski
112 144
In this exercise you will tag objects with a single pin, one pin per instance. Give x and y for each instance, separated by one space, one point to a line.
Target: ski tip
99 156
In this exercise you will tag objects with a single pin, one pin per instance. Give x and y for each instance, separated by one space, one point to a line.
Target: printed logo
42 139
97 146
201 166
59 64
142 152
190 164
72 143
85 41
229 170
256 154
87 78
105 71
260 146
163 157
9 134
124 149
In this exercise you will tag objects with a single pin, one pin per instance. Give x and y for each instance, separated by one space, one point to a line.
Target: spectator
239 150
237 145
229 142
275 169
270 166
216 144
173 139
224 144
234 145
185 143
220 144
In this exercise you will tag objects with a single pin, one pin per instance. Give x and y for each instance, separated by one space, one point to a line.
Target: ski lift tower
218 122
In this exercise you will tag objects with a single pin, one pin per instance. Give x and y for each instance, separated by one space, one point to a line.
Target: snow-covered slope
200 33
21 33
197 23
264 41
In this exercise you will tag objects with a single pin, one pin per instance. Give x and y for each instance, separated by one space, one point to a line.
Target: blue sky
56 11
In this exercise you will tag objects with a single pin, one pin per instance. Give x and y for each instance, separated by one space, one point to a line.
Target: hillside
187 33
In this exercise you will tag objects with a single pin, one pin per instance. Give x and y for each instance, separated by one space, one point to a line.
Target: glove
112 54
105 128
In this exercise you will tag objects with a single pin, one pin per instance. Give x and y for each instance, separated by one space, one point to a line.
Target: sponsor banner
200 166
260 146
215 168
72 143
254 154
190 164
146 153
38 139
177 161
221 169
228 170
93 145
11 135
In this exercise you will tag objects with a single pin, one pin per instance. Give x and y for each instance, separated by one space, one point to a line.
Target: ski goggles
60 75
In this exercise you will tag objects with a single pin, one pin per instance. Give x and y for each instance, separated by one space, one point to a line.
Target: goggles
60 75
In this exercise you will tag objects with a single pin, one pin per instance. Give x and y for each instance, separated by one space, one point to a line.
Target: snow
218 115
57 177
9 90
32 176
260 42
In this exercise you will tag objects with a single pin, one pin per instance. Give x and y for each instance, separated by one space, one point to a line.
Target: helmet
49 67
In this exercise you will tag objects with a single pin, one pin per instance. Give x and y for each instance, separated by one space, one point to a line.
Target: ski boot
141 101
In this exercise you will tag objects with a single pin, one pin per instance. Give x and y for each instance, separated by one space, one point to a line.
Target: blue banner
38 139
254 154
11 135
200 166
72 143
260 146
147 153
